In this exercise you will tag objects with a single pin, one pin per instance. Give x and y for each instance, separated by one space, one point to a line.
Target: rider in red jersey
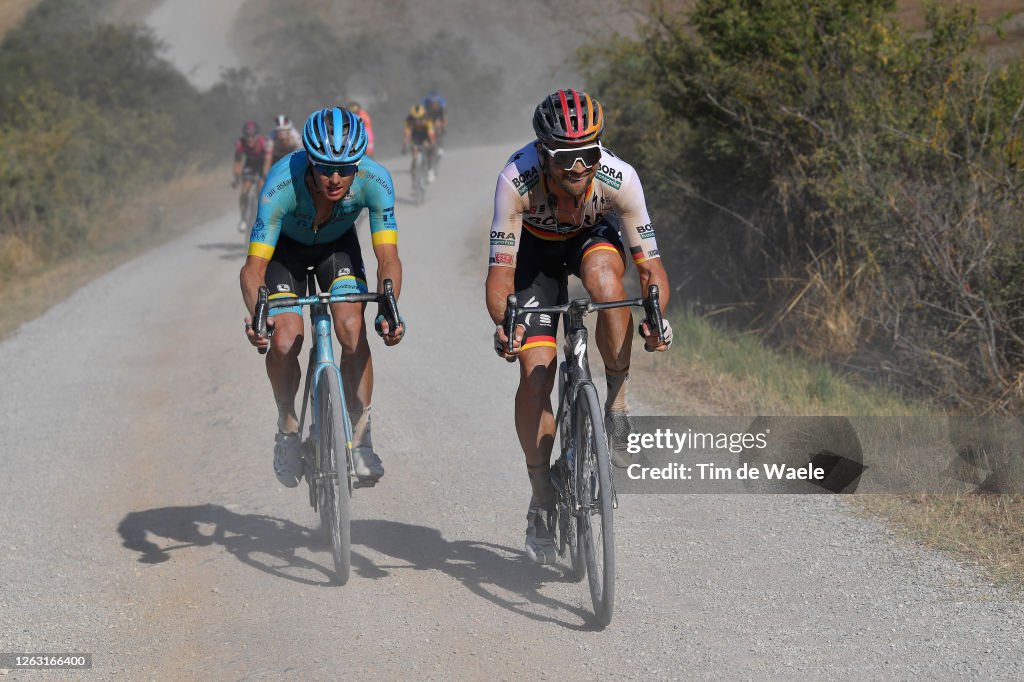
252 151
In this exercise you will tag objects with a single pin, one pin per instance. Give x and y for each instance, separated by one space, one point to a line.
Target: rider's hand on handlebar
258 341
501 342
651 340
384 329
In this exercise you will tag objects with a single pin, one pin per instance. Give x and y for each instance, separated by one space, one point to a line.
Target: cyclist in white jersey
564 205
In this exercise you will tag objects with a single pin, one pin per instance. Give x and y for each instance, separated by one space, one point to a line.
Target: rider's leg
535 424
357 374
601 271
535 421
356 367
283 368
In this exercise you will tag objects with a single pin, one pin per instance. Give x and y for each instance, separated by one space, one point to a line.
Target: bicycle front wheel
594 494
419 182
333 472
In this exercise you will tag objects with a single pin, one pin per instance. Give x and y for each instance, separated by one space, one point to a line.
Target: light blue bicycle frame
321 359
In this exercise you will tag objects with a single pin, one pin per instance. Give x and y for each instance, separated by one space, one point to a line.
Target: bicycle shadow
245 536
272 545
476 565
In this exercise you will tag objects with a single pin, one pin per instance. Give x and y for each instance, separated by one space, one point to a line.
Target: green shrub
847 185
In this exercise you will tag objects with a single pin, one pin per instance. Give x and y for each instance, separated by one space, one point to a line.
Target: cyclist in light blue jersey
307 210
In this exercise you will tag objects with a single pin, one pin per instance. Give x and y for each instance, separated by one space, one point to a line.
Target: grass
128 229
711 371
740 375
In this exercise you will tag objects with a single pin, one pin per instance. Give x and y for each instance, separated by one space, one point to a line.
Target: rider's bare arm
506 226
500 283
251 278
389 266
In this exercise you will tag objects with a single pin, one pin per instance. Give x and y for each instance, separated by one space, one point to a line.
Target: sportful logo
532 303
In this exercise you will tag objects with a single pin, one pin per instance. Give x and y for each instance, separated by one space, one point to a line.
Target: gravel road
140 519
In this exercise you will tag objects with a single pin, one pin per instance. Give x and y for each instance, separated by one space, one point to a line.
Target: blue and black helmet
334 136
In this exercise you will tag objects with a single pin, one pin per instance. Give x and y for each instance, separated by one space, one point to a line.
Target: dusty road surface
140 519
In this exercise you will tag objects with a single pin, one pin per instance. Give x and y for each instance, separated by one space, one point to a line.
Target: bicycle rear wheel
333 476
594 493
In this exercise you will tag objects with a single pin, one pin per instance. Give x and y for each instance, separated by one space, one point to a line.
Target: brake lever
509 323
652 308
259 318
390 306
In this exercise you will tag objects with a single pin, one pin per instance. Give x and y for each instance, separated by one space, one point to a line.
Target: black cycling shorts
338 266
542 270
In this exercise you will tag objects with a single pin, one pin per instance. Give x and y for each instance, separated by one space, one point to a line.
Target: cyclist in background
437 112
251 155
306 214
419 137
362 113
283 141
564 205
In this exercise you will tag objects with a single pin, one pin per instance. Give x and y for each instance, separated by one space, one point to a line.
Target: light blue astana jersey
286 207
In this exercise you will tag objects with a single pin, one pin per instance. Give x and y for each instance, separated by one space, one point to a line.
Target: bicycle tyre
594 488
252 198
568 523
419 190
333 465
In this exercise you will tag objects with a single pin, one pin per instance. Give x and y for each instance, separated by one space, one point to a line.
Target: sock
543 491
361 437
616 381
285 422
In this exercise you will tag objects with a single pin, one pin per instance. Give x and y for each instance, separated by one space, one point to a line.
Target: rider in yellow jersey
419 135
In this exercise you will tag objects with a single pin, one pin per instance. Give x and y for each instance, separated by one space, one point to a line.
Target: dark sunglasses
344 170
567 158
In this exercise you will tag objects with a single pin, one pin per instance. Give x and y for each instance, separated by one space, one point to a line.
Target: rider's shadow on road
264 542
484 568
273 546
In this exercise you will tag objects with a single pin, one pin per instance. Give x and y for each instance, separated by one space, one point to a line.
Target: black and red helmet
568 117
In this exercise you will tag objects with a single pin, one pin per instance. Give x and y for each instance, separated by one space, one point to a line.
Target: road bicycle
581 475
251 200
419 173
327 451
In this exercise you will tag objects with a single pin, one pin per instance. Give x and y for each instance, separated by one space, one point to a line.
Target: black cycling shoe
618 428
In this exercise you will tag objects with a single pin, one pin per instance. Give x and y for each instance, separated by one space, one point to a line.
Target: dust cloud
493 61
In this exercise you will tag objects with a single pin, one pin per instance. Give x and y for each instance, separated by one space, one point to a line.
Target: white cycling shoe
288 458
366 464
540 534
